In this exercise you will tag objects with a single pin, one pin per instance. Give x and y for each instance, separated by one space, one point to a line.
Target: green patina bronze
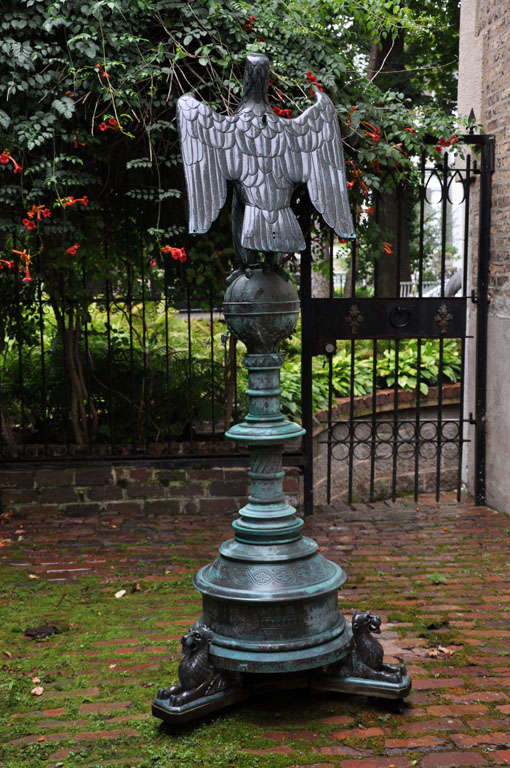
270 599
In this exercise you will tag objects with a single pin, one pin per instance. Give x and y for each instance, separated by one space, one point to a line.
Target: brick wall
484 84
116 490
494 20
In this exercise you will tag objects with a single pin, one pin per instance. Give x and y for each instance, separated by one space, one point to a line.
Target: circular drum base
260 662
273 615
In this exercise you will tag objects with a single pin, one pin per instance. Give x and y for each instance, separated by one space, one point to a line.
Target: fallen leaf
441 649
41 738
446 650
37 691
8 654
112 666
120 593
32 576
36 680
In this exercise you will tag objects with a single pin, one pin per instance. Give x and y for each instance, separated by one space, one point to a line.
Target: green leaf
437 578
5 120
64 106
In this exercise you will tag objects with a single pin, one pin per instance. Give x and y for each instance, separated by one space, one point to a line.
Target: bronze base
251 685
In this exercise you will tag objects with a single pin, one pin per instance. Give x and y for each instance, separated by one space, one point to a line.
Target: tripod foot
364 686
198 708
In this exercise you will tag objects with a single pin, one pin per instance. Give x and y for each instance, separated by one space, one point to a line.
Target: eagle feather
266 156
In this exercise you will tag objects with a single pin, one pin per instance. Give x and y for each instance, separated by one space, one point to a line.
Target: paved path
434 573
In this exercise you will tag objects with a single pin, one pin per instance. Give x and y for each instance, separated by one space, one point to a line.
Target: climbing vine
91 179
87 107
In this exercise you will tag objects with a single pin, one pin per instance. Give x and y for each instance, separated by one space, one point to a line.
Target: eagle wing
206 140
315 157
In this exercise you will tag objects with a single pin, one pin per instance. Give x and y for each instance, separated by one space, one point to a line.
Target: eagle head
256 78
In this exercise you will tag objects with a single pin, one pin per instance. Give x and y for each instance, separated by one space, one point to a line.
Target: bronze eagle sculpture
266 157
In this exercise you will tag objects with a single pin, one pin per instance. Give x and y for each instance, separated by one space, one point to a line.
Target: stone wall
484 85
110 491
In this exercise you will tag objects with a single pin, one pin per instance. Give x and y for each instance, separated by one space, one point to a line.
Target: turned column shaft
267 518
269 598
266 474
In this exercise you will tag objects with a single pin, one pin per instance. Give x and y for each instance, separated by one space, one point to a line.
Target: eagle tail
276 231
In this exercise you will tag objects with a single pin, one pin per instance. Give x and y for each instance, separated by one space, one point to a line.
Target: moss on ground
111 651
74 663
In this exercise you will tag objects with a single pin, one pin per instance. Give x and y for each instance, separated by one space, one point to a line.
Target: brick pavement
436 574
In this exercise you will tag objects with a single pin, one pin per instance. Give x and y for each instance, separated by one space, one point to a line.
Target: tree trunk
393 204
82 412
78 413
320 266
230 379
6 432
384 54
348 287
392 217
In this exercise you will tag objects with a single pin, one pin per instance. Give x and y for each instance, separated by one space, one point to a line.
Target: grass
111 651
73 663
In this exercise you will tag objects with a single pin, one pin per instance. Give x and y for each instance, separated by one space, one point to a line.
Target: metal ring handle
399 317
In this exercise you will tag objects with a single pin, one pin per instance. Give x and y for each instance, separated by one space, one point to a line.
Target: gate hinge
474 296
490 156
471 418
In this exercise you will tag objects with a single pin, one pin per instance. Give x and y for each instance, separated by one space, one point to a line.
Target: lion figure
197 676
368 654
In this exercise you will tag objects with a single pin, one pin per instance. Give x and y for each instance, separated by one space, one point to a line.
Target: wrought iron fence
130 366
407 436
137 365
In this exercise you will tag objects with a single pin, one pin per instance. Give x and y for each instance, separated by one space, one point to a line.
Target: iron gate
142 397
394 440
